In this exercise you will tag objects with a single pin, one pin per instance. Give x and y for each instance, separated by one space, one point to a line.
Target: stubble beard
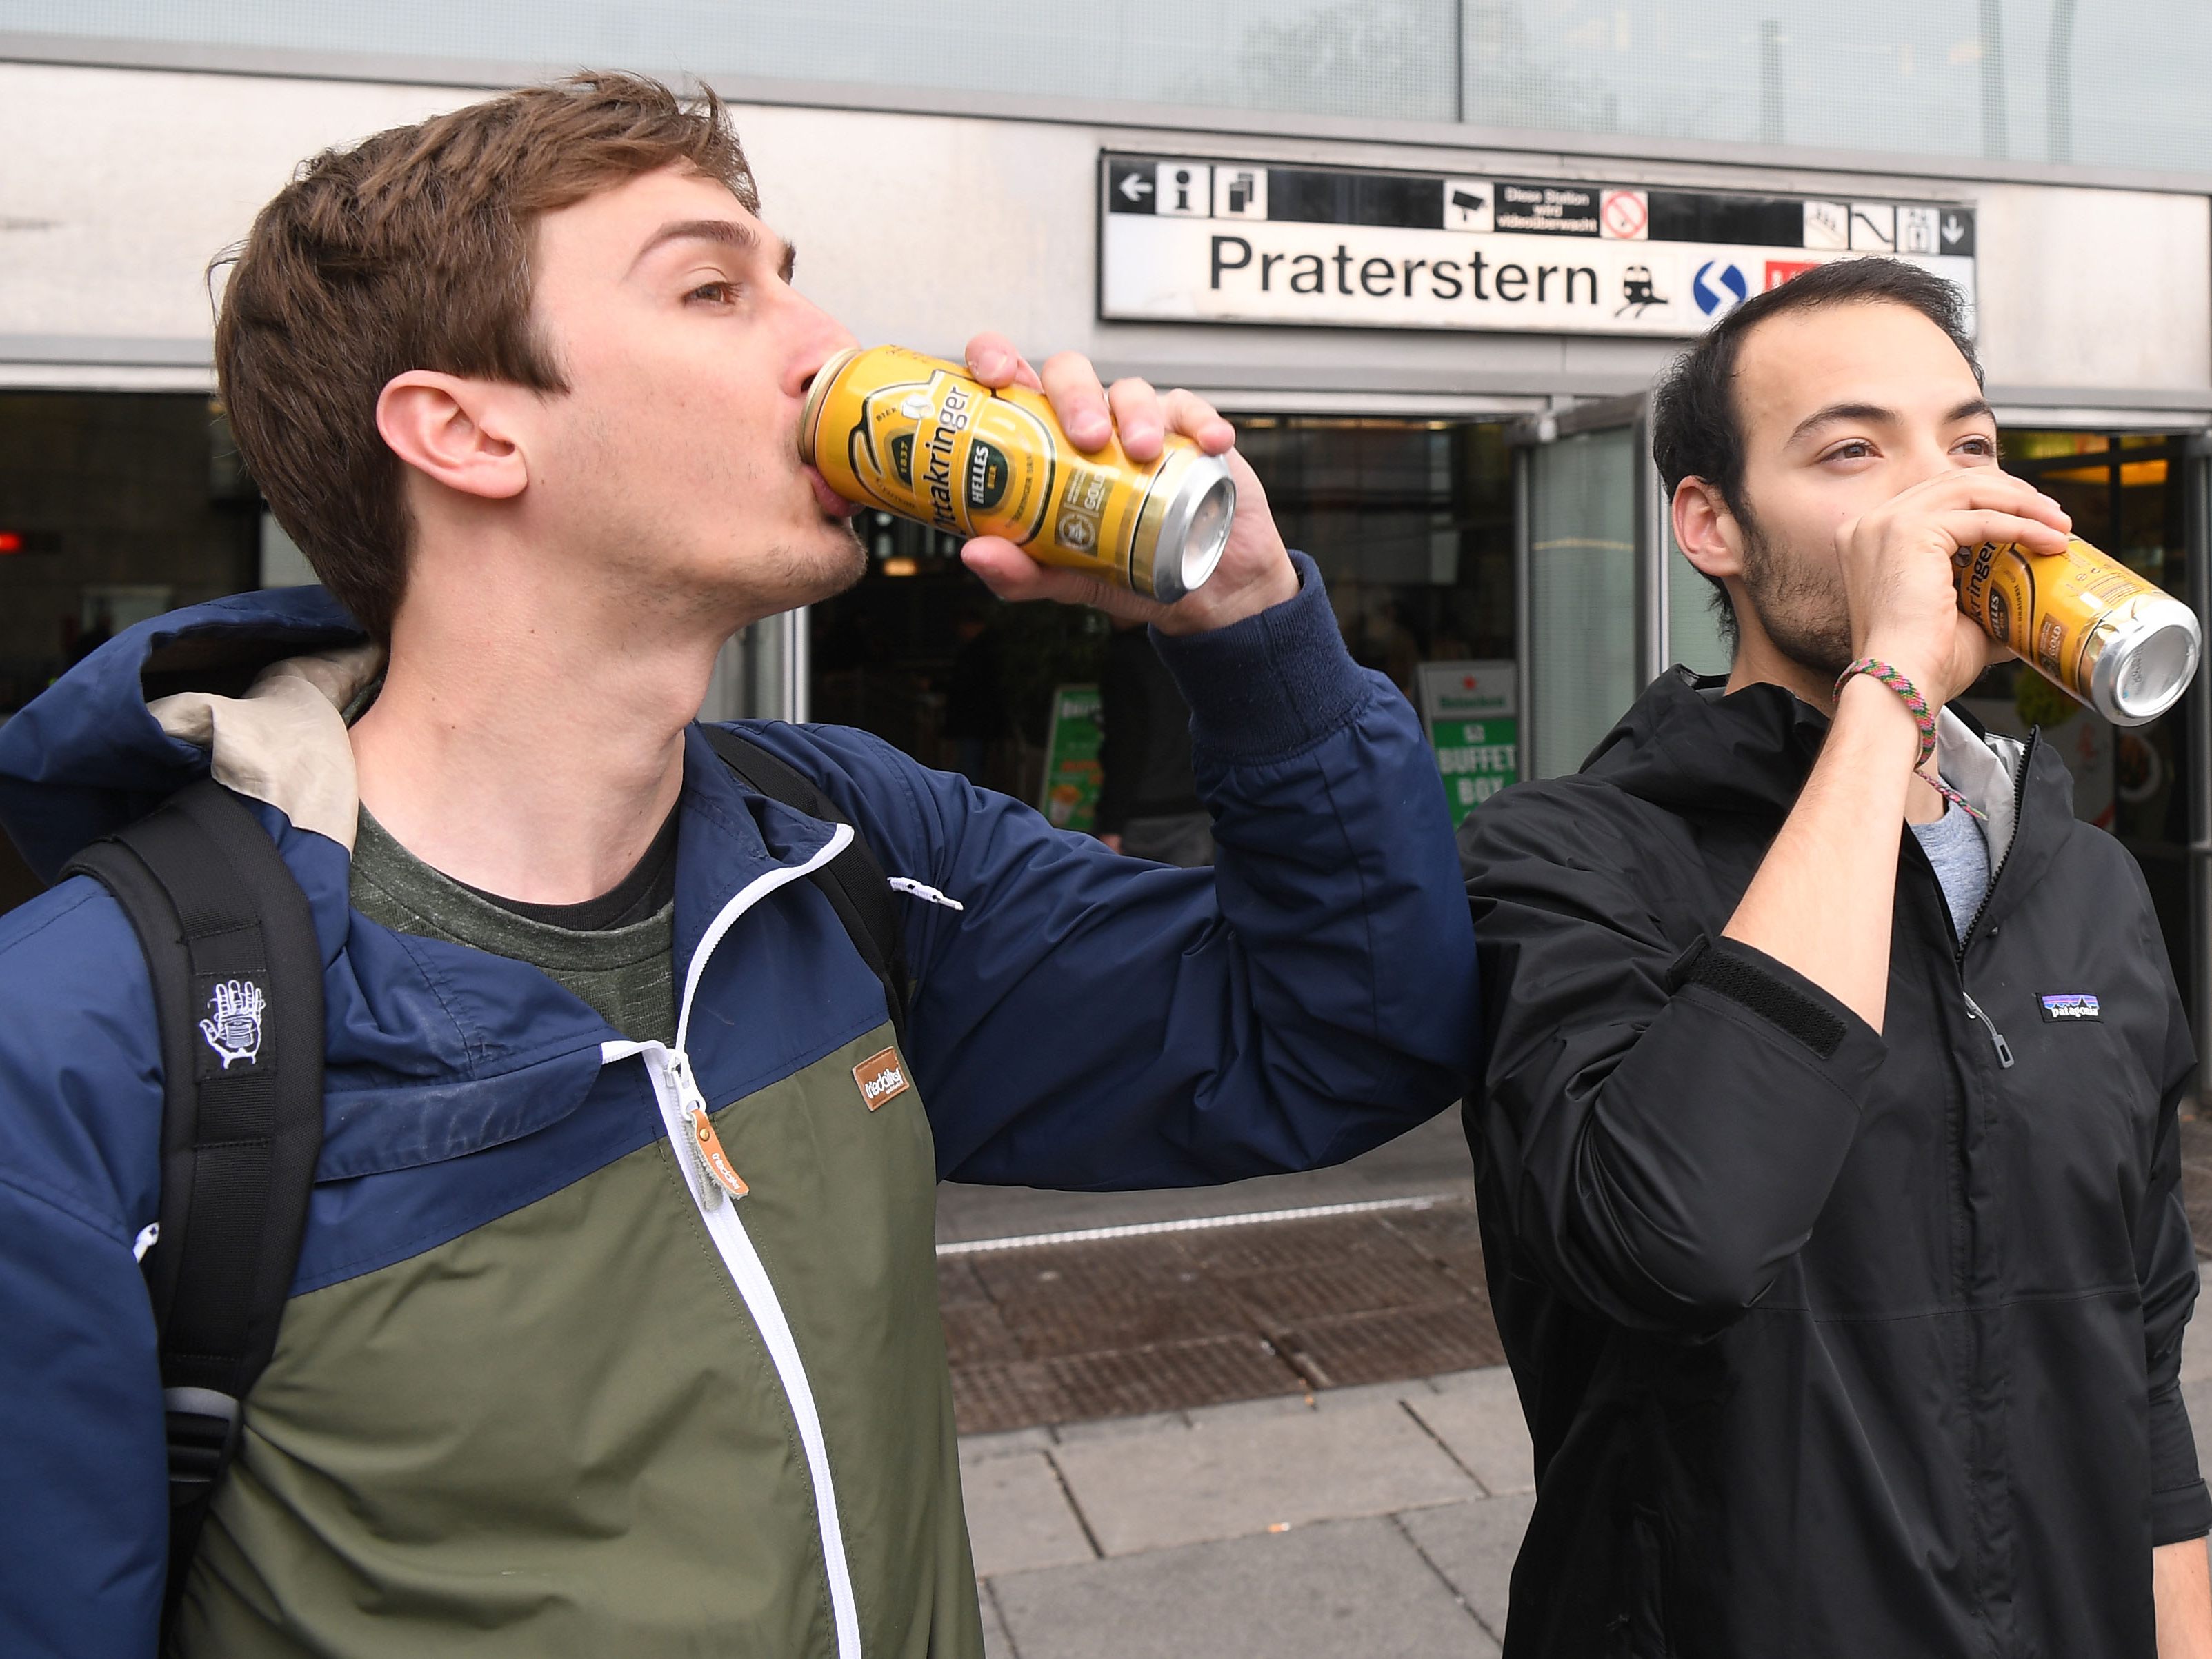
808 574
1799 602
842 571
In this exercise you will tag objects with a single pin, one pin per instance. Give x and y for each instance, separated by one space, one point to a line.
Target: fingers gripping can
916 436
2084 620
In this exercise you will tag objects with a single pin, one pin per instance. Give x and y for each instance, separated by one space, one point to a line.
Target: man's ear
452 430
1706 531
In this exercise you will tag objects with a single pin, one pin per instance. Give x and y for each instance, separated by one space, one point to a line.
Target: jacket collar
438 1049
1692 746
434 1049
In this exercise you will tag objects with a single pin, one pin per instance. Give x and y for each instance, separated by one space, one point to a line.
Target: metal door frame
2197 508
765 671
1650 519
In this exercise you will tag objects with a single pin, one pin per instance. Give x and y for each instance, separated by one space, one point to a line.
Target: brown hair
412 250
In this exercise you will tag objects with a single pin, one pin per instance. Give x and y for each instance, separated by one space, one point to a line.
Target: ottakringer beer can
2085 621
916 436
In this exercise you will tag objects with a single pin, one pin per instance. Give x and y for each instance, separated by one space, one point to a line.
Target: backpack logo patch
881 1077
2064 1009
232 1029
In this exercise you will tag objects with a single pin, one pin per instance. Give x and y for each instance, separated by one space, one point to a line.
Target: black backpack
238 988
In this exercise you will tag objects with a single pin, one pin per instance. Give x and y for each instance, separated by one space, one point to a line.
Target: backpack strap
237 986
853 882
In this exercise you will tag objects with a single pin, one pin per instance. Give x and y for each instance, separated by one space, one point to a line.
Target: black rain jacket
1831 1343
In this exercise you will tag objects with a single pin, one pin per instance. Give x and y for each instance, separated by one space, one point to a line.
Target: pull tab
717 1176
1997 1037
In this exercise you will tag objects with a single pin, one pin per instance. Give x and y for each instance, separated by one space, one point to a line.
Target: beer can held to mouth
918 437
2084 620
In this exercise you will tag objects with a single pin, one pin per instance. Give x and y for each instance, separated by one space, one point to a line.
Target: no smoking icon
1625 215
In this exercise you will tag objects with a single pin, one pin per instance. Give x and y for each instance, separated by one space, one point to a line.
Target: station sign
1187 239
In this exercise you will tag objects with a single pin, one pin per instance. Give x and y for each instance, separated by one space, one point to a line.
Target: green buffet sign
1472 712
1070 759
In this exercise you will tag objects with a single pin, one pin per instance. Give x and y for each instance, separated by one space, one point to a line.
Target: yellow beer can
918 437
2084 620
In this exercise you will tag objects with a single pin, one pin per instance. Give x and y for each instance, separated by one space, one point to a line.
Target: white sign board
1467 690
1185 239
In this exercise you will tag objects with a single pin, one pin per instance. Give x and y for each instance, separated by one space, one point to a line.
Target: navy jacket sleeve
83 1479
1660 1128
1088 1021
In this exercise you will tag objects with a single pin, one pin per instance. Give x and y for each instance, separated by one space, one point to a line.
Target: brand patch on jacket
2070 1006
881 1077
232 1028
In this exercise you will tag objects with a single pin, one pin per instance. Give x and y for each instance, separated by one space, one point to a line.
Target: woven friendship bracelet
1923 716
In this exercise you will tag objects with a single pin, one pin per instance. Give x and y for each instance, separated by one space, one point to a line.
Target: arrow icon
1134 187
1953 228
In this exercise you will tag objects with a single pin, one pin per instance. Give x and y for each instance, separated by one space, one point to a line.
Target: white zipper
677 1095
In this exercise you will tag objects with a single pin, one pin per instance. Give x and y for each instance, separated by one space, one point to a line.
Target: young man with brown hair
1843 1283
525 382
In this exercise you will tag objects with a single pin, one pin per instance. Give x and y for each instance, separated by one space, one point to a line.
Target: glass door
2141 497
1595 623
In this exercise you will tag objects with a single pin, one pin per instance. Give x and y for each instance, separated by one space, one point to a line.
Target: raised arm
1089 1021
1823 897
1661 1125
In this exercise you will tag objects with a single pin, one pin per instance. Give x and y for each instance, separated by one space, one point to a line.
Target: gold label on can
2058 611
942 449
918 437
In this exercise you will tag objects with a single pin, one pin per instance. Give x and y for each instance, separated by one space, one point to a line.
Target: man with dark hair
1842 1281
613 1328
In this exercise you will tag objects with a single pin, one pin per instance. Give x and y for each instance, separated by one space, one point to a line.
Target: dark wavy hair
1697 431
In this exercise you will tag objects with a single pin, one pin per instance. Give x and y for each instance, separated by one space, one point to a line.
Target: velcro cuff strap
1742 976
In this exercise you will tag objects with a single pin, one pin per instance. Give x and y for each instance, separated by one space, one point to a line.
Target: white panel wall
119 187
2096 288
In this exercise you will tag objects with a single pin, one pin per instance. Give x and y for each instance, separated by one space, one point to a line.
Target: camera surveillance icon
1468 204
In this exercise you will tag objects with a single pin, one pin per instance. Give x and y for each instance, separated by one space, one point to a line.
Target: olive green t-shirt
614 952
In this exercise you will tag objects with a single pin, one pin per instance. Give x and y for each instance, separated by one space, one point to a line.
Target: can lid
810 416
1195 532
2140 674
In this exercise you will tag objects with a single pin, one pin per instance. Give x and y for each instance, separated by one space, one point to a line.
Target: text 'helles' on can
2084 620
919 437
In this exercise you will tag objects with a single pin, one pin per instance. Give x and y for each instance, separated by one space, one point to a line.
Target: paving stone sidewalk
1380 1520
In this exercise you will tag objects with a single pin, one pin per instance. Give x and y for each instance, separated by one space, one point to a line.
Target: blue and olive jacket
539 1389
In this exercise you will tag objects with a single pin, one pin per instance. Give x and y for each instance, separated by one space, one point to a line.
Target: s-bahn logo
1719 287
232 1028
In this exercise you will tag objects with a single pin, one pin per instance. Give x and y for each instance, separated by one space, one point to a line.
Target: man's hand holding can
1256 570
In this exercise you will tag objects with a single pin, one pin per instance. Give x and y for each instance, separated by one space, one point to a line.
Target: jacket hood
90 755
1689 743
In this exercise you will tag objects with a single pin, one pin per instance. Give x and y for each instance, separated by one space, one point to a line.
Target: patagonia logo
2070 1005
881 1077
233 1027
